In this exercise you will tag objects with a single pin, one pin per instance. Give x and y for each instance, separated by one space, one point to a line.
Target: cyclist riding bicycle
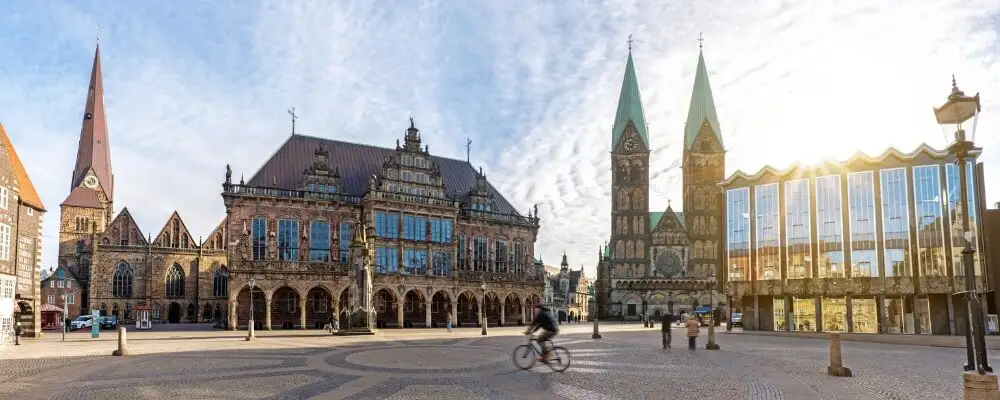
545 321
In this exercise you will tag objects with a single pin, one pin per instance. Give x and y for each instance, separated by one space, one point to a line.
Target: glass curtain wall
803 314
834 314
768 232
864 314
778 305
895 222
861 201
738 234
927 193
955 213
797 236
899 315
829 228
923 314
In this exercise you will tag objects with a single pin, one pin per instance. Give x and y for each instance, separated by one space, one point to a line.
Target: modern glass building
869 245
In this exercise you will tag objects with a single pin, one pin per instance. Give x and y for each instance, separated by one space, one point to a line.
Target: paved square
432 364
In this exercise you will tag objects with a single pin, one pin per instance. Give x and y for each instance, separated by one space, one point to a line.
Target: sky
193 85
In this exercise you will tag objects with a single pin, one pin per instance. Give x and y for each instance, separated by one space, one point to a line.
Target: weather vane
700 40
630 41
98 28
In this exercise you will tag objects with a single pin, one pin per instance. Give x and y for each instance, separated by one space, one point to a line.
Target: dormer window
482 207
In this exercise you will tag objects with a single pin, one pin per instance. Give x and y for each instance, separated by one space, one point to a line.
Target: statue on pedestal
361 278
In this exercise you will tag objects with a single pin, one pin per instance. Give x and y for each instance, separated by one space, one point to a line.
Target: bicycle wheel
524 356
559 360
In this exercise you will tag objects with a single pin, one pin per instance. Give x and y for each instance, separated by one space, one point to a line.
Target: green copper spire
629 107
702 106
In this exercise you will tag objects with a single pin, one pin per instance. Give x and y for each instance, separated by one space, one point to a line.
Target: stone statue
536 210
373 182
229 174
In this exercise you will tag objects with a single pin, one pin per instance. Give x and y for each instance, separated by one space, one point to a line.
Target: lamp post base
980 387
711 345
250 335
597 333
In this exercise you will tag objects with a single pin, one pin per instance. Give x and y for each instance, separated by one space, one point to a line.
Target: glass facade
768 232
798 241
861 209
738 234
778 305
414 228
923 312
386 260
899 315
387 225
895 222
834 314
259 238
927 192
803 314
319 241
956 217
415 261
440 230
864 314
829 228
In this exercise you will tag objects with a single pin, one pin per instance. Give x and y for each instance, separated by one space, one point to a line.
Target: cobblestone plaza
431 364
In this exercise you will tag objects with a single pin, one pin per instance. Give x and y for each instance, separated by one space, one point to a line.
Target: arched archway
344 305
531 302
440 309
512 309
285 308
192 313
468 311
385 304
173 313
206 313
493 309
244 311
318 307
414 309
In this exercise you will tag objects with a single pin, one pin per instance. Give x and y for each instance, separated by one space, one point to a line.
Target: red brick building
61 282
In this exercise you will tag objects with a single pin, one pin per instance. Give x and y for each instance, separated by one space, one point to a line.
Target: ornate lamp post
250 335
958 109
645 302
711 345
482 307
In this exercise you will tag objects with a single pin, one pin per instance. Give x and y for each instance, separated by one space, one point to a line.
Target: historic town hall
659 261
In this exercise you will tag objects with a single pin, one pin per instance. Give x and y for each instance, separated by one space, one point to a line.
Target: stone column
427 309
503 314
267 312
454 313
399 314
302 312
524 313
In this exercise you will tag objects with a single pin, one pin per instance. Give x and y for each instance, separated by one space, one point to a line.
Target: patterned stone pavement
432 364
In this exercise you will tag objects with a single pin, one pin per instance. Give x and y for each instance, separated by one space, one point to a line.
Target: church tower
630 180
88 207
704 166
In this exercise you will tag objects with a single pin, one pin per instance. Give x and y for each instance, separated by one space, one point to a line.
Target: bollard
122 344
711 345
980 387
597 334
836 367
250 335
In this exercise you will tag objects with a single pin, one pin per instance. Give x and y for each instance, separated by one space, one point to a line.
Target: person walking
668 319
692 331
449 322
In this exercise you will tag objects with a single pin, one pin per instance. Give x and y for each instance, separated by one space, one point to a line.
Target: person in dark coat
668 319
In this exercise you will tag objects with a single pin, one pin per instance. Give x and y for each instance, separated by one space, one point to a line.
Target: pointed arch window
121 283
175 282
176 235
220 282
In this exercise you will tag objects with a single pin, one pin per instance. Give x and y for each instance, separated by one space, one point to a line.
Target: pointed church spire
94 150
565 262
629 105
702 107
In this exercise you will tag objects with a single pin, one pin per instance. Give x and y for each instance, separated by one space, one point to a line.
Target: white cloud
533 84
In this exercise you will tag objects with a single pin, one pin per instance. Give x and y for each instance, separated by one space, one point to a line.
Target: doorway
174 313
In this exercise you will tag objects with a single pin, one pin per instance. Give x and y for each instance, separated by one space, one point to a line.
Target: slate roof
655 217
82 196
356 163
25 189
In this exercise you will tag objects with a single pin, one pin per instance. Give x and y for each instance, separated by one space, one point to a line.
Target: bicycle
526 355
331 329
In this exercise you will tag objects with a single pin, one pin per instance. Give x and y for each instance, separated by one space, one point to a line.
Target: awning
703 310
50 308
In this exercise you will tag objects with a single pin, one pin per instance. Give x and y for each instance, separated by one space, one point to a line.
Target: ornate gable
175 234
480 196
412 170
631 141
670 231
318 176
217 239
123 231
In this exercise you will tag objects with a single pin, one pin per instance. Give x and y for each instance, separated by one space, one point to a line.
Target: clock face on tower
630 144
90 182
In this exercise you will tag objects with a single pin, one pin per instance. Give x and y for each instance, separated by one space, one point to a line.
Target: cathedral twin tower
670 244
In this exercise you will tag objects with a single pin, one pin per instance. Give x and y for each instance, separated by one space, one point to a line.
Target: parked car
109 322
737 319
82 322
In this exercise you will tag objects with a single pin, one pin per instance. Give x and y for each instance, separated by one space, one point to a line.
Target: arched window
220 283
121 283
114 310
175 282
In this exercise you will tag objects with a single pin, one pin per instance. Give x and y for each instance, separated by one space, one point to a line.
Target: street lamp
62 317
645 316
250 335
482 306
711 345
958 109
